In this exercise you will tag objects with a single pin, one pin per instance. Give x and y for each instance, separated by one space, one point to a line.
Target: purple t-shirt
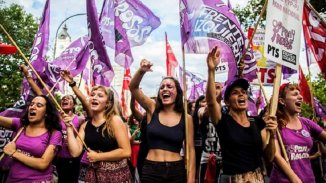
32 146
298 144
64 151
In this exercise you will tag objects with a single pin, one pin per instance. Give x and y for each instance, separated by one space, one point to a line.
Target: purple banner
205 24
250 69
101 65
195 85
129 23
73 58
41 42
320 109
288 72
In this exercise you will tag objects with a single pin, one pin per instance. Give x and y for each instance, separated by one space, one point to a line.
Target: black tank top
164 137
95 140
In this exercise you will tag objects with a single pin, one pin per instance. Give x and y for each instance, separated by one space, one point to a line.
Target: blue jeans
163 172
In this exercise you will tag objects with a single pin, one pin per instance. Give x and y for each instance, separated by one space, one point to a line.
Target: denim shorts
172 172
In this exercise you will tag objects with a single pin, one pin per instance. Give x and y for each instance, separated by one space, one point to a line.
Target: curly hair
52 119
111 109
179 98
282 118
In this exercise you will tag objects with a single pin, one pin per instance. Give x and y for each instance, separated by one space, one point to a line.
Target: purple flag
73 58
101 65
250 69
207 23
288 72
41 42
320 109
37 59
195 85
129 23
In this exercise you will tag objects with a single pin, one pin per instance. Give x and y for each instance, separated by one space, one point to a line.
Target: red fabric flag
7 49
304 87
171 61
315 33
125 88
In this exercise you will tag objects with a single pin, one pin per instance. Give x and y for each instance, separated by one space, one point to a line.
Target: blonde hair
111 109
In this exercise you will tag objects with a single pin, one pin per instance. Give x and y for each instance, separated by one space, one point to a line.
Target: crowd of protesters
224 143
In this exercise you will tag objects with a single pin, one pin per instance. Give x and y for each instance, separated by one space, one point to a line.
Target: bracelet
72 84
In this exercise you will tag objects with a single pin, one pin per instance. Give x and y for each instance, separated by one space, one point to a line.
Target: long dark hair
178 100
52 119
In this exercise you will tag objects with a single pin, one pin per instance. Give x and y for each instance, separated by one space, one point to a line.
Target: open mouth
32 113
298 103
242 101
165 95
95 103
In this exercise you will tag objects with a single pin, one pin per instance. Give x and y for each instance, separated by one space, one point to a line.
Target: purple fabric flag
288 72
250 69
195 85
37 59
73 58
41 42
207 23
101 65
129 23
320 109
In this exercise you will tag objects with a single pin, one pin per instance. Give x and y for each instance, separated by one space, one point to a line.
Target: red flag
7 49
171 61
304 87
124 91
315 33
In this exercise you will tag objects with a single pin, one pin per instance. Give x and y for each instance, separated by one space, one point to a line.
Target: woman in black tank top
165 130
105 135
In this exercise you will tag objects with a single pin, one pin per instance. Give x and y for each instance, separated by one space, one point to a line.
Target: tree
318 90
248 15
22 27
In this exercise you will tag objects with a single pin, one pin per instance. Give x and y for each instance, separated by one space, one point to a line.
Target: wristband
72 84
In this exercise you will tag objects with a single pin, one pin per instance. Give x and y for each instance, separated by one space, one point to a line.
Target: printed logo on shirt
5 136
297 152
211 142
305 133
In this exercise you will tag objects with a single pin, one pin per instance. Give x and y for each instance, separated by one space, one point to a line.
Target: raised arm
269 147
30 80
214 107
142 99
75 145
66 75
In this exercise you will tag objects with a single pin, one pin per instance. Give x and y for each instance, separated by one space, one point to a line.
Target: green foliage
22 28
318 89
248 15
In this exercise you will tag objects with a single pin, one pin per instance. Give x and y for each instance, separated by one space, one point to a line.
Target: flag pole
241 64
309 83
40 79
185 108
